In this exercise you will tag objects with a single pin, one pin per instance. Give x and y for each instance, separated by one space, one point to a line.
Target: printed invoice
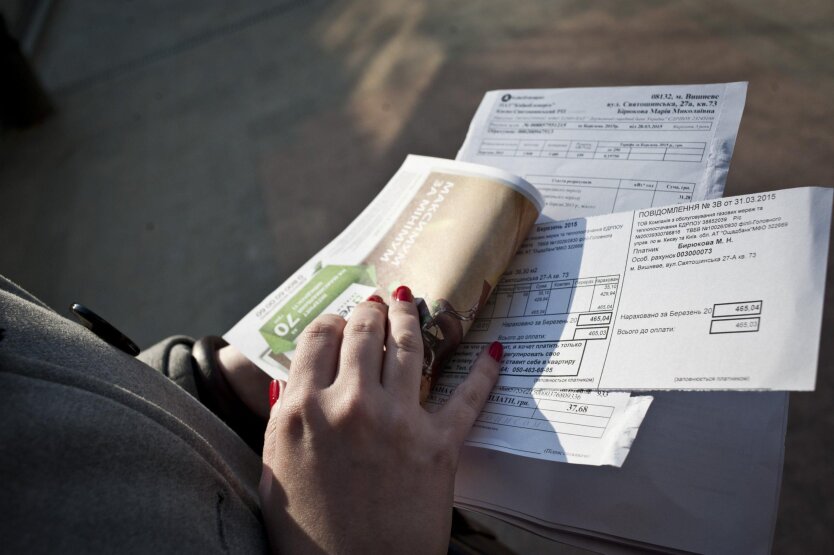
594 151
719 294
693 452
610 149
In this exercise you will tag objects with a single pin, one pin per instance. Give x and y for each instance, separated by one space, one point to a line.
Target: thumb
469 398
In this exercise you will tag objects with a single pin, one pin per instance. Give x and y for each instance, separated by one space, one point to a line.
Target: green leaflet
284 327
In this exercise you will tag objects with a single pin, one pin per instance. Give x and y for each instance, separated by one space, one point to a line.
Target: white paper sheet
703 476
588 157
598 150
722 294
592 428
728 444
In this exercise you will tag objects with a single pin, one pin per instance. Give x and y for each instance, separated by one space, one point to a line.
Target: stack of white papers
703 474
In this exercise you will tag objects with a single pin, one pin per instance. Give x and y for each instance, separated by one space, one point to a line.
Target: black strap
103 329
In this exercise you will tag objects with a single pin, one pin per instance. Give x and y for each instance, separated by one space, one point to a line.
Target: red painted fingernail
376 299
274 392
403 293
496 350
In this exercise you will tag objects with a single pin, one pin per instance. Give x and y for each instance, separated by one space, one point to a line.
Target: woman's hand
352 462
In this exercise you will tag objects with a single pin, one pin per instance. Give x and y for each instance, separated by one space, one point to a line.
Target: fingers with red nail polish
469 398
355 394
496 351
403 293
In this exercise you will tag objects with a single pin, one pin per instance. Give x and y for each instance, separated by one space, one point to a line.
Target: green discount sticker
284 327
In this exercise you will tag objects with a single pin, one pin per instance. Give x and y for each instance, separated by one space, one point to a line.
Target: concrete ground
202 151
